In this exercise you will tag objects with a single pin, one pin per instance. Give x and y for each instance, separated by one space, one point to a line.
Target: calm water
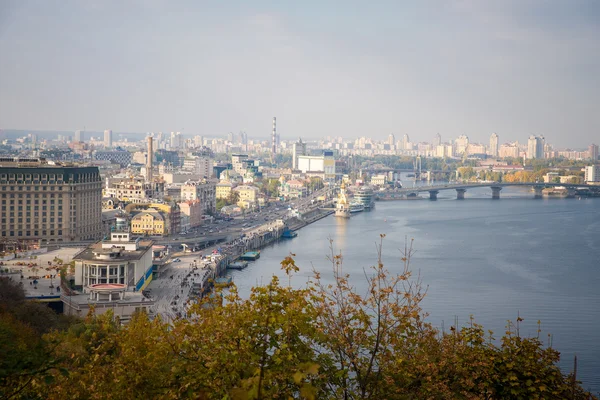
492 259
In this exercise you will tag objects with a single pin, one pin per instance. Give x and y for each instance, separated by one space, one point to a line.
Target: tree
234 197
323 340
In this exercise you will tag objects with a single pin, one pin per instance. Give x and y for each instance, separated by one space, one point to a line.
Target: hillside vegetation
324 341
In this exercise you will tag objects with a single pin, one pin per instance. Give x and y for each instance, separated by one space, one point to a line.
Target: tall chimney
149 160
274 137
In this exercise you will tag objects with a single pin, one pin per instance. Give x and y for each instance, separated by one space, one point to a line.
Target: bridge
496 187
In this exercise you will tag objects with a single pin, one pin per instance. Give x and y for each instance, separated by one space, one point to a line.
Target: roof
126 255
154 214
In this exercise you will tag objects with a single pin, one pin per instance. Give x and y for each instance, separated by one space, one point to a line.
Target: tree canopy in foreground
324 341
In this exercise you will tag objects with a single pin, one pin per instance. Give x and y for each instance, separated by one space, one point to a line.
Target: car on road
177 260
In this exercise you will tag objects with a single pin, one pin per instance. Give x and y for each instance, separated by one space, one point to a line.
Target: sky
340 68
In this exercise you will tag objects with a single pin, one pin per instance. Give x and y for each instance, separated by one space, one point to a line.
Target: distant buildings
45 203
298 149
593 152
494 145
535 147
108 139
121 157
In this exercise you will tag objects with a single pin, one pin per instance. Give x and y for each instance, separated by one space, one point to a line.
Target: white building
111 275
592 173
320 165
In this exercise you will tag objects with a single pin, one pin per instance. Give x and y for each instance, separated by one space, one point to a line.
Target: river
489 258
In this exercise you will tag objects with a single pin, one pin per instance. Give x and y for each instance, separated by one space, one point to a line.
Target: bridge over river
461 188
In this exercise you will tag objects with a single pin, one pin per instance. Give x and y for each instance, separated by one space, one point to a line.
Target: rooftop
95 251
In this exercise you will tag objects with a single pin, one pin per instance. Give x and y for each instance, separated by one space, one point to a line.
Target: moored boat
365 197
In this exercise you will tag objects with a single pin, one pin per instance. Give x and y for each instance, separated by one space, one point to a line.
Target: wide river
489 258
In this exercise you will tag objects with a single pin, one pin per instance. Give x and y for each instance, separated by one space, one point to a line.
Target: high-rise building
494 145
48 203
391 140
298 149
462 144
437 141
274 137
78 136
593 152
592 173
535 147
108 138
405 142
149 159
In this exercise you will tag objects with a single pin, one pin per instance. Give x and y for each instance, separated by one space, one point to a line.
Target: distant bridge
461 188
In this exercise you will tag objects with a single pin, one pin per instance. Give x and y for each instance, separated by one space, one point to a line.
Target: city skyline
464 67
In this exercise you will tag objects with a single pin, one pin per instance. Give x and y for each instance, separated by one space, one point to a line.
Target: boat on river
366 197
356 207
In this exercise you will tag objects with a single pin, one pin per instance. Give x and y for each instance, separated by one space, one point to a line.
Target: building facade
494 145
203 191
121 157
43 202
148 223
535 147
592 173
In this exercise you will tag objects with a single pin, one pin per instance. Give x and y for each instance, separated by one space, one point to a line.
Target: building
298 149
45 202
134 190
535 147
593 152
462 145
121 157
148 223
78 136
378 180
493 145
509 150
204 191
108 139
248 195
292 189
437 140
323 165
592 173
201 166
110 275
192 209
238 162
223 190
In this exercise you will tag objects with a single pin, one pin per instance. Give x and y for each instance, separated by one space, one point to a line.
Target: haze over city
344 69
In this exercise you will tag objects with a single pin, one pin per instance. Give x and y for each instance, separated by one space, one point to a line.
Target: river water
493 259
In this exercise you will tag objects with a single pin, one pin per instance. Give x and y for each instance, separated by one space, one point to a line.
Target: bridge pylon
496 192
460 194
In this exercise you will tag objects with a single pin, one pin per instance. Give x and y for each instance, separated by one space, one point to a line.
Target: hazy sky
349 68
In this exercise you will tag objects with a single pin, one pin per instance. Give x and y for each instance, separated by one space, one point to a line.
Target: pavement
35 269
171 291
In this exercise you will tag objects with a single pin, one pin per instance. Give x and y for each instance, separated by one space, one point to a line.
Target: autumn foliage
323 341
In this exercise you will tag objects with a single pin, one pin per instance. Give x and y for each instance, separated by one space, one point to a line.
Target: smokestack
274 137
149 161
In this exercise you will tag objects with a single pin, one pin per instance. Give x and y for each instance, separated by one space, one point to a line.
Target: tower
149 160
494 145
274 137
108 138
